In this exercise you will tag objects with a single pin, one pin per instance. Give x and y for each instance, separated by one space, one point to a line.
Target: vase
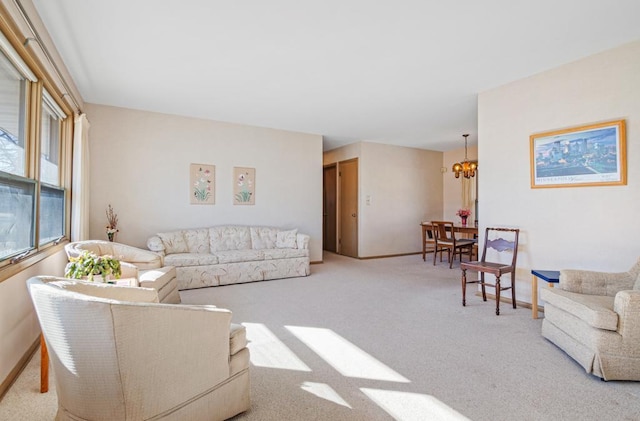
111 235
464 221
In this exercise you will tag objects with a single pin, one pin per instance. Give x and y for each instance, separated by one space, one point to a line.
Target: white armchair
115 359
144 265
595 318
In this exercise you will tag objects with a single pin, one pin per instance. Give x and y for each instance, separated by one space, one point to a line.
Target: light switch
368 200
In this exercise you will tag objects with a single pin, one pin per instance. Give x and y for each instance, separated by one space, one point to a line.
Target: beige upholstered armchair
144 265
595 318
117 354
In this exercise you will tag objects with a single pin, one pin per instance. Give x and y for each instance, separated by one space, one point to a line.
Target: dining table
469 231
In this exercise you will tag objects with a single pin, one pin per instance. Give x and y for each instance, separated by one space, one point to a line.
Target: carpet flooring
388 339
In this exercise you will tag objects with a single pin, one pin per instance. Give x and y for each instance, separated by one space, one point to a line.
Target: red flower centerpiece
463 214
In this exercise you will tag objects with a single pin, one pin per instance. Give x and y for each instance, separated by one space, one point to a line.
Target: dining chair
499 255
445 238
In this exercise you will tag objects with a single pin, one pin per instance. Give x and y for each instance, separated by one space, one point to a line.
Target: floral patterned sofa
231 254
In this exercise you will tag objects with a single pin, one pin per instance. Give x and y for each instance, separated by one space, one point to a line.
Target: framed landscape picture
591 155
244 186
202 188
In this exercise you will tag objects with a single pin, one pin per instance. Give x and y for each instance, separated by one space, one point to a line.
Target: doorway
348 208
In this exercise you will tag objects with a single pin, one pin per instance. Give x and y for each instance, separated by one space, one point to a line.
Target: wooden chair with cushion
499 256
445 238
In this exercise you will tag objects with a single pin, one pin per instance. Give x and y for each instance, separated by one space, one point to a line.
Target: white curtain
469 195
80 182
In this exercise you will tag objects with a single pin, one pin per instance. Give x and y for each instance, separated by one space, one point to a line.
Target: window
52 212
12 119
50 141
33 208
17 210
17 194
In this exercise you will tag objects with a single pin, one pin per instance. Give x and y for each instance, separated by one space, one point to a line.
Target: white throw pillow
173 242
286 239
263 237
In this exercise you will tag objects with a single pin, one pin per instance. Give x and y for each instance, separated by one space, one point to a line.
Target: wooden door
330 208
348 214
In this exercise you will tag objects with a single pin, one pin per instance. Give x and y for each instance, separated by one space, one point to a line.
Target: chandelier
466 167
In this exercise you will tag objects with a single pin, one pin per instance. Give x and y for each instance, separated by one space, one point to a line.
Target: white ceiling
403 72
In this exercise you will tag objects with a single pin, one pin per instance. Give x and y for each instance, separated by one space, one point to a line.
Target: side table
550 276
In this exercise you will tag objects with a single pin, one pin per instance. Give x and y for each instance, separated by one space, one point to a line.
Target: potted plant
89 265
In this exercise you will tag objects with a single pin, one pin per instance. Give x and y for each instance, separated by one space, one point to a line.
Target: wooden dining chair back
445 239
499 255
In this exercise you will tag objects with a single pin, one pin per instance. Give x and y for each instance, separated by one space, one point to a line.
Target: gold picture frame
589 155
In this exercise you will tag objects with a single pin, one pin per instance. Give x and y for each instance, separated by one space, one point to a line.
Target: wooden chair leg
513 289
498 295
44 366
464 287
484 291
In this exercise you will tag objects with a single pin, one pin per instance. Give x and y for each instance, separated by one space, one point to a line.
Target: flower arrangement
463 213
112 223
88 265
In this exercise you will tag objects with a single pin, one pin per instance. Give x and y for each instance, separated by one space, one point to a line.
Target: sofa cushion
173 242
230 237
197 240
236 256
595 310
286 239
190 259
263 237
272 254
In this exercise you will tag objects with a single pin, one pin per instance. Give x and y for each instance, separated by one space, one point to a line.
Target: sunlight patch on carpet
345 357
324 391
268 351
404 406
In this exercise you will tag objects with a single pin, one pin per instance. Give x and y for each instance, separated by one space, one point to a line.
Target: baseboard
384 256
317 262
21 365
492 297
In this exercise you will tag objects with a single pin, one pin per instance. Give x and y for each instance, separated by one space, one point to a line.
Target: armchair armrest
108 291
128 270
594 283
155 245
627 305
141 258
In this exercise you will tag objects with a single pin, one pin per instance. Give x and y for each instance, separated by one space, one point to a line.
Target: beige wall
140 165
587 227
404 186
19 326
